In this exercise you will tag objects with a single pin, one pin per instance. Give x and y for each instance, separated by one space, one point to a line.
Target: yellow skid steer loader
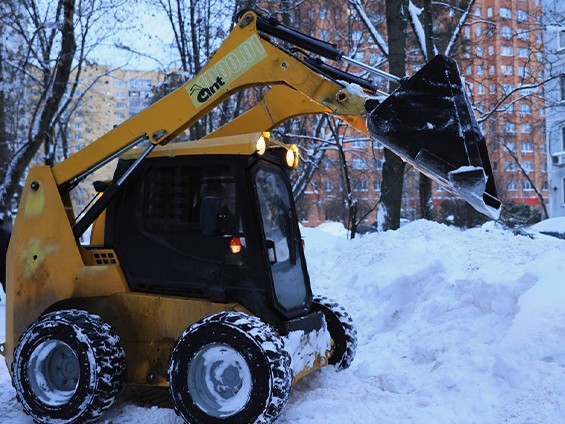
195 276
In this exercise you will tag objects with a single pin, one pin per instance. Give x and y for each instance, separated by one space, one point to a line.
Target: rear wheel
341 328
229 368
68 368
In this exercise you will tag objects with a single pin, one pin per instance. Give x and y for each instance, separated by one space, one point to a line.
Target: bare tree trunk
393 167
4 150
425 184
10 185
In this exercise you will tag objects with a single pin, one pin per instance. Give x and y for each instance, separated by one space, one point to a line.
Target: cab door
281 240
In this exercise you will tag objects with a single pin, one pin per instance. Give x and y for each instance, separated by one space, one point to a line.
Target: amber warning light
235 245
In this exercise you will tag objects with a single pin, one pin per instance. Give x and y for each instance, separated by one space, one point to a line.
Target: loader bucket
428 122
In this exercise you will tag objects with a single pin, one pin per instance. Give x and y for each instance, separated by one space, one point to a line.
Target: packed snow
454 326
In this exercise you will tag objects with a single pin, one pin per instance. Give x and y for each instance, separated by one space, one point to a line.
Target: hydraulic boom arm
427 121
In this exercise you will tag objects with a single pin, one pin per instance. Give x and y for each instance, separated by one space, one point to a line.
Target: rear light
303 243
235 245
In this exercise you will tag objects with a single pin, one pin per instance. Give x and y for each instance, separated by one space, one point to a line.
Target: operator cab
225 225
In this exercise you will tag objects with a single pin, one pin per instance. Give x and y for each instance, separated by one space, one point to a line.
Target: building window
506 32
525 109
324 35
120 95
357 35
523 71
506 51
510 145
328 186
377 146
489 12
120 116
479 70
526 128
561 40
490 50
563 191
526 185
563 139
507 88
512 186
562 87
78 126
545 185
505 13
358 144
361 185
492 89
479 50
323 13
377 185
524 35
527 147
378 164
491 70
79 115
478 11
528 165
543 148
507 69
481 89
521 15
120 105
523 52
78 137
510 166
359 164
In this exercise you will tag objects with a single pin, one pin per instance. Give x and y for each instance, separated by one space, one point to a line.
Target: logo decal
232 66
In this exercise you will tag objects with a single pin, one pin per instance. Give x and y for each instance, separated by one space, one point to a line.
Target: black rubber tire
261 349
341 328
97 364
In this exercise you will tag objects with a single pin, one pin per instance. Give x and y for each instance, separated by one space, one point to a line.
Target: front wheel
68 368
229 368
342 331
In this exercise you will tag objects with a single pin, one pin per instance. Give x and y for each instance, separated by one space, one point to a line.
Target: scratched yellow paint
35 204
33 254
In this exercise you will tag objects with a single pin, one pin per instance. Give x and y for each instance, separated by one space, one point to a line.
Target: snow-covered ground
454 327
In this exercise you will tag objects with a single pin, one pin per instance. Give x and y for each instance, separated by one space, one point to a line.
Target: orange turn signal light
235 245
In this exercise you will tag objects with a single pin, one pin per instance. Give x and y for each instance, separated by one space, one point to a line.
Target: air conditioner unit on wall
559 159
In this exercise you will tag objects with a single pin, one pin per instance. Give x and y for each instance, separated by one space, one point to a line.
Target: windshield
280 231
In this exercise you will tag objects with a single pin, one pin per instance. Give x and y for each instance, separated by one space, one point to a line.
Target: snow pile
453 327
556 225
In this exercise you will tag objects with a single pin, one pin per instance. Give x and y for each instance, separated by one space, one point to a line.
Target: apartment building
107 98
555 103
501 57
503 64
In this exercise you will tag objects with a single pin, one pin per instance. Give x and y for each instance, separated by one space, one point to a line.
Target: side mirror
209 209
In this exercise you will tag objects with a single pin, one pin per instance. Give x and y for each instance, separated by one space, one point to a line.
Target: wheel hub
53 372
219 380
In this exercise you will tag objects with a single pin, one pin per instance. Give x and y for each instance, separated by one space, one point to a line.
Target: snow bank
453 326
